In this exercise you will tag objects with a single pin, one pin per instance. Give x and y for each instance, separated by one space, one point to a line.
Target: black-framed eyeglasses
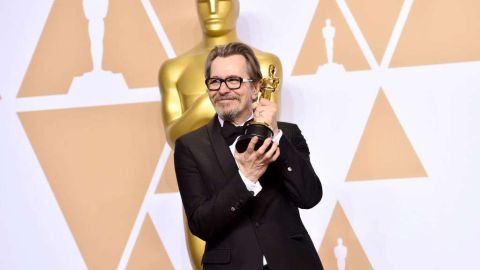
232 83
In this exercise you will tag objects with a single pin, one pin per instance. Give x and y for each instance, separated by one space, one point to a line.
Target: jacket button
232 209
289 169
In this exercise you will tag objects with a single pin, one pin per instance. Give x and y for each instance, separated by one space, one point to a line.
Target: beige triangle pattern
376 19
168 180
180 21
131 44
438 32
99 162
346 50
340 230
384 150
62 52
148 252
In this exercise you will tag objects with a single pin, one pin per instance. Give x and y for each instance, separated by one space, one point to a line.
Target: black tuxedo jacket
240 228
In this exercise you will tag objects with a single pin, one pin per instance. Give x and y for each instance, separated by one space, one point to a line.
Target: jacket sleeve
299 178
209 212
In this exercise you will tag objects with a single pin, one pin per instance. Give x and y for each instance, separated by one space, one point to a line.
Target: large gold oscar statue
185 102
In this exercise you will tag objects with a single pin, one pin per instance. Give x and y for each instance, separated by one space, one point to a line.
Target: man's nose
223 88
213 6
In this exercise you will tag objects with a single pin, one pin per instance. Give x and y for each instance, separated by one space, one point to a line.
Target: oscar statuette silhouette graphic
340 254
95 11
260 129
328 34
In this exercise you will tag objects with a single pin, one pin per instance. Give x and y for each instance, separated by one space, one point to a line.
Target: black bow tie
231 132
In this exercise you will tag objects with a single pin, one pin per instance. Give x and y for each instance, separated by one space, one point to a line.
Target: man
185 103
245 205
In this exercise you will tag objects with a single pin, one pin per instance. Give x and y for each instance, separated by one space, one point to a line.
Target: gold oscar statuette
254 128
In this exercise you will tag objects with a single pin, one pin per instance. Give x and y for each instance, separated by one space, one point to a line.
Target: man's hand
266 111
253 164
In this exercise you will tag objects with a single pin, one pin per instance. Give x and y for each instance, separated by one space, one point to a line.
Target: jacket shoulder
286 125
289 129
193 136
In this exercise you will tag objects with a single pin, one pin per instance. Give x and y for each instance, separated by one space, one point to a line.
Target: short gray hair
235 48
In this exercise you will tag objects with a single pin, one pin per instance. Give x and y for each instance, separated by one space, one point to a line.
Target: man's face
232 105
217 17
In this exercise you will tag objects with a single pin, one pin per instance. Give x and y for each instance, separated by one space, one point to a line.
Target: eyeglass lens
231 82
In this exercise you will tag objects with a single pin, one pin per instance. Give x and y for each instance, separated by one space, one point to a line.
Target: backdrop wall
86 176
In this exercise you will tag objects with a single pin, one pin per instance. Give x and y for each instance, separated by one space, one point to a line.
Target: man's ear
255 90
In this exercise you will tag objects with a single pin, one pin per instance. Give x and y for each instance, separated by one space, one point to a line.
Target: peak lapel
221 149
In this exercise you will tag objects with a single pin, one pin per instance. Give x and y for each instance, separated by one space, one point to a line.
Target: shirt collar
222 121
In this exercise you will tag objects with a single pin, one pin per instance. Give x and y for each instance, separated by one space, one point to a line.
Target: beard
226 113
229 116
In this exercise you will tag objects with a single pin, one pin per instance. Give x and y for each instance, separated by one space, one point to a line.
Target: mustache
219 98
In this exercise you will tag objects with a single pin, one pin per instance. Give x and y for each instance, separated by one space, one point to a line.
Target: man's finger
276 155
272 150
264 146
251 145
265 102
